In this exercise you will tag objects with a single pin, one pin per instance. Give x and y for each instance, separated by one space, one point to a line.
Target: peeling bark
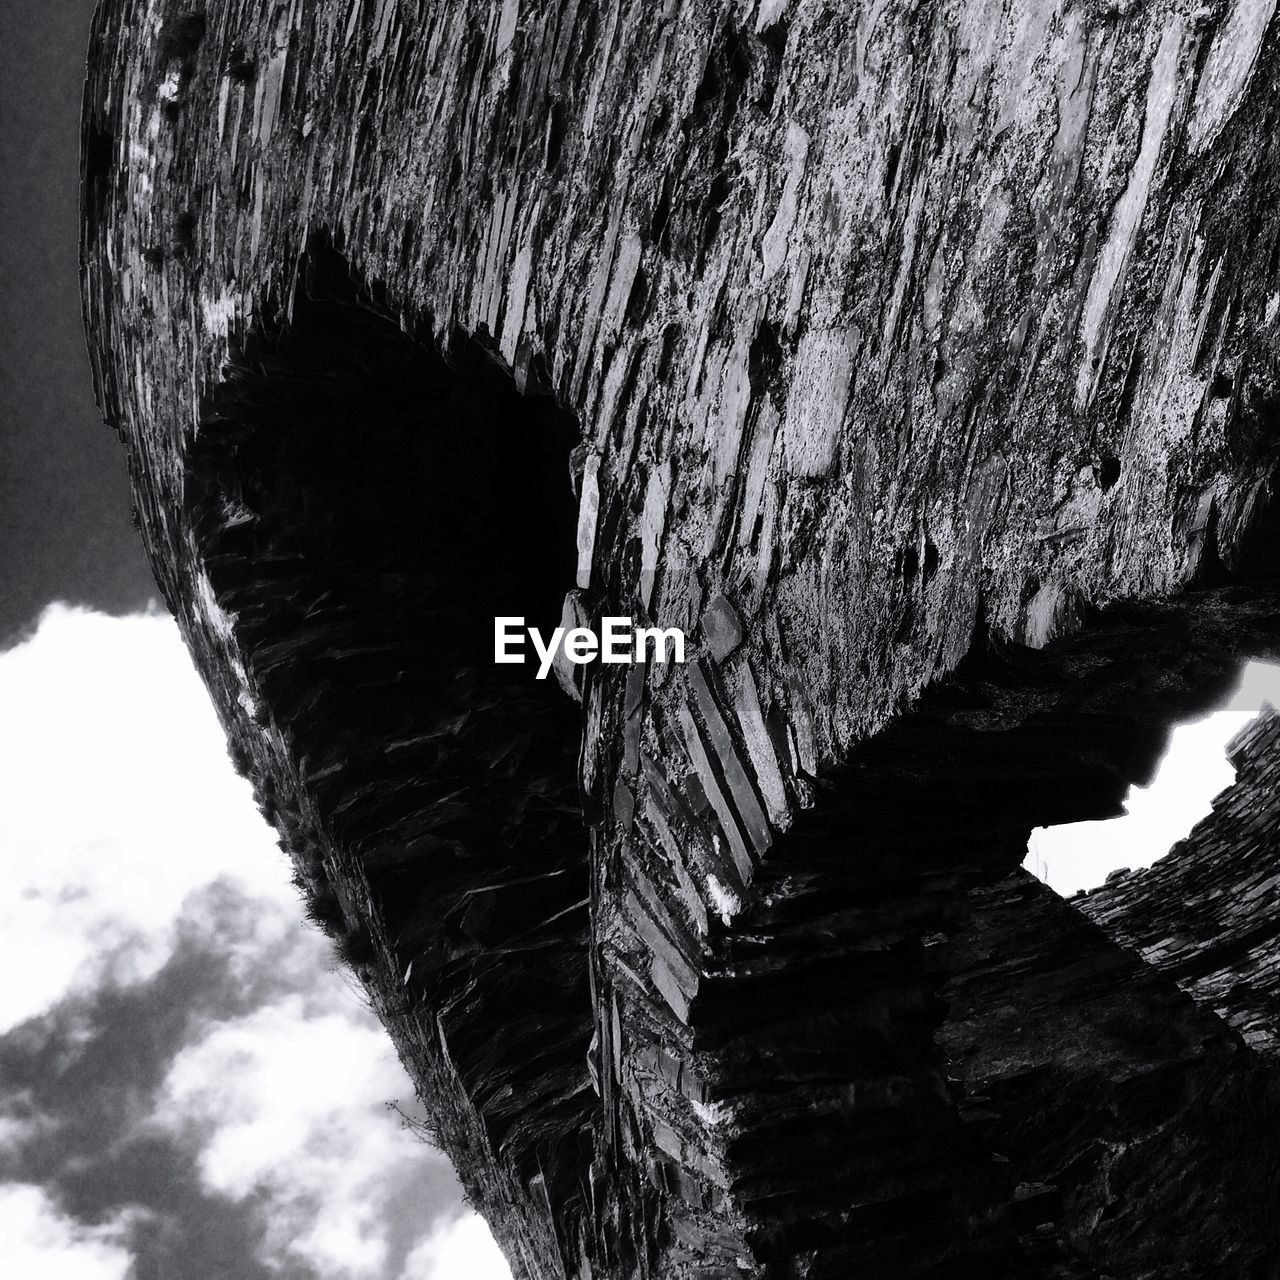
923 361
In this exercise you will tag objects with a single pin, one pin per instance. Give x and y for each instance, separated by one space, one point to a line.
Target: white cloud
464 1250
39 1241
1195 768
120 803
291 1106
122 814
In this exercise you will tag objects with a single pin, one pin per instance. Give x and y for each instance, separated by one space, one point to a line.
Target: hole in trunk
364 509
1194 769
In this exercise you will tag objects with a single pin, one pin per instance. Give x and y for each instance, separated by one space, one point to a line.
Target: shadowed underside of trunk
1206 915
920 363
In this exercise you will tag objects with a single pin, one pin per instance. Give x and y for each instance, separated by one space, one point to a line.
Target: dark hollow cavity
364 508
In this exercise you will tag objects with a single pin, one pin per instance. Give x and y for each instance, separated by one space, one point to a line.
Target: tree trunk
920 362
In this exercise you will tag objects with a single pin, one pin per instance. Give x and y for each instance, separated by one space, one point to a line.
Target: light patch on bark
518 289
735 399
1049 615
222 625
726 903
652 525
1126 217
1027 24
588 510
266 106
219 311
1228 69
773 246
770 12
764 760
507 26
819 393
625 266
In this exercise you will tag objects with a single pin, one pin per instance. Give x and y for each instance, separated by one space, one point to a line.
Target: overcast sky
64 504
189 1087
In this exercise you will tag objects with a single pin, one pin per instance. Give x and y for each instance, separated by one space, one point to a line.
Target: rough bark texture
1095 1077
1206 914
921 362
1137 1124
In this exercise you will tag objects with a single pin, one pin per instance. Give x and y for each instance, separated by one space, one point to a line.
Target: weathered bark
1142 1128
924 363
1095 1077
1206 914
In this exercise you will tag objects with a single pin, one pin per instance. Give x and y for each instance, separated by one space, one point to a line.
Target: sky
1195 768
189 1084
64 504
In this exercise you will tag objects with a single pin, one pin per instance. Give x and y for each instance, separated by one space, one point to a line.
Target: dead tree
920 361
